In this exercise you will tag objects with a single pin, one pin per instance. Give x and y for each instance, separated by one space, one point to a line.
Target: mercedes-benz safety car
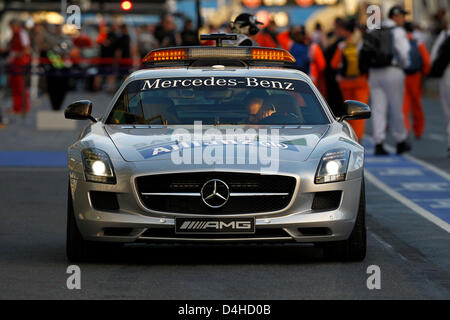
217 145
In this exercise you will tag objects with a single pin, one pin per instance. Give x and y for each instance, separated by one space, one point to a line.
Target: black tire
78 249
354 248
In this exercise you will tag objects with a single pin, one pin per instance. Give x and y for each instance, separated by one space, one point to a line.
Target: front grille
249 192
259 233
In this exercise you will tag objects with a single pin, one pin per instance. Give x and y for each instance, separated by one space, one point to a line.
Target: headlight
333 166
97 166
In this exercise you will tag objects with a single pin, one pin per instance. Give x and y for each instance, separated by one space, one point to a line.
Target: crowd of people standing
385 67
60 60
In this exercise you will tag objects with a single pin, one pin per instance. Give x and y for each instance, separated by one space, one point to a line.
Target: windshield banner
208 82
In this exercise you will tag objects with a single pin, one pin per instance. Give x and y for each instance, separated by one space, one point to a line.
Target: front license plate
215 225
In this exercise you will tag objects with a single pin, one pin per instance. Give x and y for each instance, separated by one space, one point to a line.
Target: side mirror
355 110
79 110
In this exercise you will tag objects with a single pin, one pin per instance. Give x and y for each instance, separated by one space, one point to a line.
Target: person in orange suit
18 60
419 67
351 79
268 36
317 67
285 39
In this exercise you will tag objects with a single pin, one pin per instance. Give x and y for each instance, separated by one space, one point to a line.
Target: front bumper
296 223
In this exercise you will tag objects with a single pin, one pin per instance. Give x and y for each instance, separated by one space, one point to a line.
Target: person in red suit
412 101
19 60
268 36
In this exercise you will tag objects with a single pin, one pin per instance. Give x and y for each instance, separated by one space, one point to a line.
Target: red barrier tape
94 61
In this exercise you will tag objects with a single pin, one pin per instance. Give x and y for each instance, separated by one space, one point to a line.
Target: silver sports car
217 144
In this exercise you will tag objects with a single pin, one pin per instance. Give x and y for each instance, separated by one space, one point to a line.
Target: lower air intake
327 200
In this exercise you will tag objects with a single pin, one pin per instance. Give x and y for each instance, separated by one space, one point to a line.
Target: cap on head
245 19
350 25
245 24
396 10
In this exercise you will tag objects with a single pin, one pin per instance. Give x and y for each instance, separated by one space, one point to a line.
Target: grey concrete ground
412 252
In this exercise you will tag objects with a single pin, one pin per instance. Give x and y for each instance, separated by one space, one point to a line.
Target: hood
145 143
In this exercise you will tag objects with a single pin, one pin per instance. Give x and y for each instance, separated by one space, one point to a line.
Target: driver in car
284 110
257 109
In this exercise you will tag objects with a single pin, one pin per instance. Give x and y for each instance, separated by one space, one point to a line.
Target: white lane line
436 170
397 196
436 137
388 246
384 243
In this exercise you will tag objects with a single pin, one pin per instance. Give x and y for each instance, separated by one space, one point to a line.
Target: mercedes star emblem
215 193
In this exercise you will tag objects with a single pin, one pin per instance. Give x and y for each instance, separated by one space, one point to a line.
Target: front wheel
76 246
78 249
354 248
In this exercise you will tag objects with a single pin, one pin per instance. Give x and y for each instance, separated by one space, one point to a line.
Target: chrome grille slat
180 194
232 194
256 194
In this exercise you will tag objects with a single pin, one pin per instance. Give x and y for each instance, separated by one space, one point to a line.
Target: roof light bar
272 55
164 55
249 54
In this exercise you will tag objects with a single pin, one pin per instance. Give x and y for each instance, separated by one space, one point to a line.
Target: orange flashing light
165 55
198 53
272 55
126 5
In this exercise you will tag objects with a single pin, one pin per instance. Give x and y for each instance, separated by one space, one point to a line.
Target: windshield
218 100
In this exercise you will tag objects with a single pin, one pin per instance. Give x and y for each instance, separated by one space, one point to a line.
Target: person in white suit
387 87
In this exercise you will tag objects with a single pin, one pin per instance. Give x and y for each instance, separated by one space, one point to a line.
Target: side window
134 104
118 111
121 103
311 109
127 109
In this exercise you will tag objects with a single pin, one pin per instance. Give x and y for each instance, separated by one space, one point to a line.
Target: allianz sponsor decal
154 151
